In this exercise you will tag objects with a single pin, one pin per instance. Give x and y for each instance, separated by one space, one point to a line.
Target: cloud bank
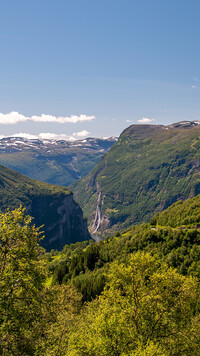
14 117
145 120
50 136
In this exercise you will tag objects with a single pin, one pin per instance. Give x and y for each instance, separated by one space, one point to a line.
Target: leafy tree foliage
178 247
30 313
137 302
146 309
64 303
22 275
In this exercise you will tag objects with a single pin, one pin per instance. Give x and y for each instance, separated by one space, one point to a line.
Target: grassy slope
148 169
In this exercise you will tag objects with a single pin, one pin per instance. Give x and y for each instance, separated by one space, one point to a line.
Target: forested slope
146 307
174 240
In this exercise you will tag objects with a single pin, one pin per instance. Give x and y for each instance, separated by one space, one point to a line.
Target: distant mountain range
56 162
149 168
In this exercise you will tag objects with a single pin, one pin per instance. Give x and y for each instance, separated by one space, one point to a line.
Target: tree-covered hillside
149 168
175 241
138 304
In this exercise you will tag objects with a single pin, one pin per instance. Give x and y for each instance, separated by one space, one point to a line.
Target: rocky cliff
62 218
50 205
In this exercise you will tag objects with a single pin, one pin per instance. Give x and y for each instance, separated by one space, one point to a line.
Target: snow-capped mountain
53 161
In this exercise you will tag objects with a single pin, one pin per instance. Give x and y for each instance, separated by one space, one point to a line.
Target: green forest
135 293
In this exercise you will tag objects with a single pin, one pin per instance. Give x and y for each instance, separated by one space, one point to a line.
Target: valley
131 290
142 173
53 161
100 178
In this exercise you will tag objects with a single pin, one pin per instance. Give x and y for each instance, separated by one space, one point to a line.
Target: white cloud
194 87
80 134
145 120
52 136
129 121
14 117
24 135
49 136
41 136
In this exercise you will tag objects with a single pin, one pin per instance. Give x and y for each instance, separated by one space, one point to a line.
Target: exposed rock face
62 218
50 205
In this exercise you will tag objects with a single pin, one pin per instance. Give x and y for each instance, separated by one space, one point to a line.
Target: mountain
56 162
50 205
146 170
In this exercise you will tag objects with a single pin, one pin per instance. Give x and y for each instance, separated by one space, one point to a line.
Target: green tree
22 277
64 306
145 309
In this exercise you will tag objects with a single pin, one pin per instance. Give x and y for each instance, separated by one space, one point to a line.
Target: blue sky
113 61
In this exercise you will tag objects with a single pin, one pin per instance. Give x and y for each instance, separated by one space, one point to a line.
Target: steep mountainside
50 205
50 161
149 168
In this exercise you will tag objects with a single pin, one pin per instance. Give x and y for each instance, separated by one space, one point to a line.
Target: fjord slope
50 205
56 162
148 168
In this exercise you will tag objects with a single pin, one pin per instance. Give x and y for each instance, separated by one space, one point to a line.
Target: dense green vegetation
149 168
180 214
145 309
178 245
137 302
28 309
